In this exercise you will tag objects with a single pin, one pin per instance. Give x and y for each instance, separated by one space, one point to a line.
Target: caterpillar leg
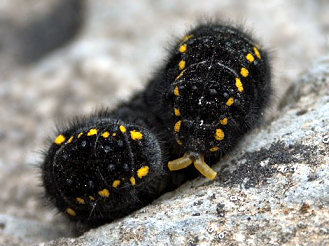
180 163
204 169
199 164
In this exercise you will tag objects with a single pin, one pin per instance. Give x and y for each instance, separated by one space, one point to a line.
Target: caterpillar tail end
199 164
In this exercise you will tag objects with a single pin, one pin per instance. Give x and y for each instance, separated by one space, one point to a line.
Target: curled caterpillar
212 90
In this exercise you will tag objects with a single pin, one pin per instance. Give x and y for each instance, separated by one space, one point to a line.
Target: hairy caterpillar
212 90
107 165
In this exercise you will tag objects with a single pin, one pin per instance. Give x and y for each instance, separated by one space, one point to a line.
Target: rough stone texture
272 189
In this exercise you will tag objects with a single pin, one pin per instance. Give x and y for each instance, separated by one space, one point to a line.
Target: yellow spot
143 171
180 75
71 212
223 121
219 134
213 149
114 134
116 183
92 132
244 72
238 84
177 112
176 91
92 198
181 65
179 142
135 135
132 180
70 139
177 126
105 134
182 48
230 101
257 53
104 193
80 200
187 37
122 129
250 57
60 139
80 134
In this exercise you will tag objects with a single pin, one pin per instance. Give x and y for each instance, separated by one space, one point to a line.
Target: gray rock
272 189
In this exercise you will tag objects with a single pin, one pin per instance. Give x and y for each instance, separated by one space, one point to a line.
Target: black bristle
211 91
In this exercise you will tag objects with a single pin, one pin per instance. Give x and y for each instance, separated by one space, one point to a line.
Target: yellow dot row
244 72
182 68
141 172
183 49
177 113
135 135
219 135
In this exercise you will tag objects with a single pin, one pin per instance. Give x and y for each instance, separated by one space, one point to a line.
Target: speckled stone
272 189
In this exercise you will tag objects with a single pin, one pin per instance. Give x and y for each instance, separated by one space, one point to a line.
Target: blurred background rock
64 58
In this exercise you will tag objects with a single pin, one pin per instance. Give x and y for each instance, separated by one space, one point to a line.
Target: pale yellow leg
179 163
204 169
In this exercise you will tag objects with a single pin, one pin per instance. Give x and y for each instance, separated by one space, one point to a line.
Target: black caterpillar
212 90
105 166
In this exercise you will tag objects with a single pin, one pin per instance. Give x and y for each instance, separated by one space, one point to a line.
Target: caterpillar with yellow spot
105 166
212 90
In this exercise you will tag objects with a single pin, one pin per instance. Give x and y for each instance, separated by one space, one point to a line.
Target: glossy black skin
206 85
90 164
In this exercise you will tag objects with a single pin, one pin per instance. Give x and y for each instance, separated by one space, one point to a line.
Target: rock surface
272 189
